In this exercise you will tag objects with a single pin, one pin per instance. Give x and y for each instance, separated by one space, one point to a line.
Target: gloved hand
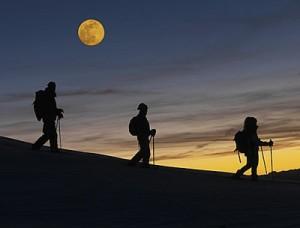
60 116
153 132
60 113
271 143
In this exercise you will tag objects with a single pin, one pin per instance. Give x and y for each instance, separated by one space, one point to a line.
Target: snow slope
76 189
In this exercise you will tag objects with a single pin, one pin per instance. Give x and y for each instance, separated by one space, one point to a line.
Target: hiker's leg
145 150
52 136
40 142
136 158
53 142
241 171
146 156
254 164
50 131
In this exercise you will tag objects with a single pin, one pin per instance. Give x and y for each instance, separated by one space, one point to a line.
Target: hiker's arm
263 143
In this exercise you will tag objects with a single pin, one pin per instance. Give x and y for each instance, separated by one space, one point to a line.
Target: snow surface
76 189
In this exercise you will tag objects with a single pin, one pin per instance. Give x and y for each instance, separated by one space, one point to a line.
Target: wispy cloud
16 97
218 154
174 156
18 128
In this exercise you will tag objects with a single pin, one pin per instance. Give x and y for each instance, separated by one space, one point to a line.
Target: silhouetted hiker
247 142
139 126
45 109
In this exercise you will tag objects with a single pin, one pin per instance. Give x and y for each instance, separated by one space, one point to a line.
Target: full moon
91 32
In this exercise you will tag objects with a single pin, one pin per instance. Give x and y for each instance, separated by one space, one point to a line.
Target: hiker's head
51 86
143 109
51 89
250 124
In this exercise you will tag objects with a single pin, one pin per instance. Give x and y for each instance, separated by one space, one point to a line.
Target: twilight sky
201 66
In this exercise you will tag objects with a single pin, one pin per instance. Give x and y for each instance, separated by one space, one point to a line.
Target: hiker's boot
35 147
145 165
254 178
131 164
55 151
237 175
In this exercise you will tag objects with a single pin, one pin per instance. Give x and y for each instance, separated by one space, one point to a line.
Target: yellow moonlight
91 32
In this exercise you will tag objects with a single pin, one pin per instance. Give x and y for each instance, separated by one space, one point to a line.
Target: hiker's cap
142 106
51 84
250 122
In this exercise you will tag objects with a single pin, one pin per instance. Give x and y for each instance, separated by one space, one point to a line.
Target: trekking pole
239 156
262 153
153 151
150 144
59 133
271 151
238 153
56 124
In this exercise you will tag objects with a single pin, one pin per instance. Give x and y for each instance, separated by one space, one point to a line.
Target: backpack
133 126
39 104
241 142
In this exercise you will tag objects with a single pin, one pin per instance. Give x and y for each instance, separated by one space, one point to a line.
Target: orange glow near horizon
201 155
230 163
283 159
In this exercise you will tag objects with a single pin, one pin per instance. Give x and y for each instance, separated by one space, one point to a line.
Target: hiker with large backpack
248 143
139 127
45 109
